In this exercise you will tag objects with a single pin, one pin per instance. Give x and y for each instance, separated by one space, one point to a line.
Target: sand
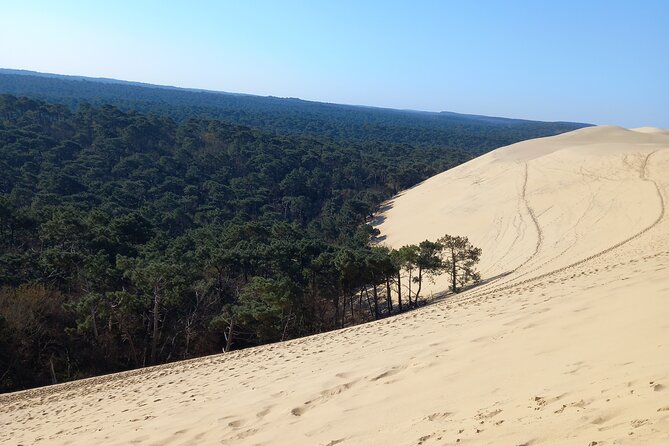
566 344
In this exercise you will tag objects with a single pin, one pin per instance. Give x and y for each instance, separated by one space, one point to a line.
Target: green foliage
454 255
426 259
31 338
327 122
129 239
460 258
266 307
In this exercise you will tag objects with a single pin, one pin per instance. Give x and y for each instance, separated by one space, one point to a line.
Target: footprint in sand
324 396
600 420
424 438
490 414
298 411
235 424
438 416
656 387
539 402
638 423
393 371
263 412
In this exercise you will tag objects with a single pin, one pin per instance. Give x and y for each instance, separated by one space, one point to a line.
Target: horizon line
102 79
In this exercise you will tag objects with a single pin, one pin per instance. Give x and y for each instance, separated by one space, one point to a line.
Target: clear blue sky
605 62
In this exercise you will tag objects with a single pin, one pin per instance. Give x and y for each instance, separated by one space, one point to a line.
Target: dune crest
651 130
567 342
539 205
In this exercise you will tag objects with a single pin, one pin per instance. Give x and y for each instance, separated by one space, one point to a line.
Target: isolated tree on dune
396 263
407 256
385 266
459 260
428 263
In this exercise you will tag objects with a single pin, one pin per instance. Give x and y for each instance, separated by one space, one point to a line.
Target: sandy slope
568 346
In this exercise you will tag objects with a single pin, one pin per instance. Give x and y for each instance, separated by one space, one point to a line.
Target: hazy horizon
598 63
197 89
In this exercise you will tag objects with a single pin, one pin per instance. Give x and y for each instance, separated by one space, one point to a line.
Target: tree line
333 122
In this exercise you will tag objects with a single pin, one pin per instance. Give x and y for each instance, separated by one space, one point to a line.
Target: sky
602 62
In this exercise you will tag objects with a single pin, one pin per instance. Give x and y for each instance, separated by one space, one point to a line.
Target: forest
335 122
129 239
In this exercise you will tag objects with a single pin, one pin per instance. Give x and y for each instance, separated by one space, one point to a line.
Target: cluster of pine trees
403 271
129 239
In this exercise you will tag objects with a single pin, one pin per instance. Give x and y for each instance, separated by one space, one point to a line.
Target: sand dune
650 130
541 205
568 345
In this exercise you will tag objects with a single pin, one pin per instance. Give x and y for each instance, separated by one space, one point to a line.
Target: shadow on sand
378 218
442 295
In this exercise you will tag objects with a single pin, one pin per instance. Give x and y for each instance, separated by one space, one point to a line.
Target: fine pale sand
567 343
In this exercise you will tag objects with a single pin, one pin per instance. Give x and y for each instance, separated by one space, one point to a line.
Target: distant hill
477 134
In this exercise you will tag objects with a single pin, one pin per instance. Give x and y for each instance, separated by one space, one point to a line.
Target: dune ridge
566 342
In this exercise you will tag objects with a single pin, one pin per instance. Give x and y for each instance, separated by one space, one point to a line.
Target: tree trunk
376 301
54 380
95 325
285 327
420 285
156 319
127 337
410 282
229 336
453 272
336 315
389 297
369 303
399 290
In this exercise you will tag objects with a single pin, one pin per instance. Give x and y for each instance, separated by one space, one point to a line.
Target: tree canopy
288 116
460 258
